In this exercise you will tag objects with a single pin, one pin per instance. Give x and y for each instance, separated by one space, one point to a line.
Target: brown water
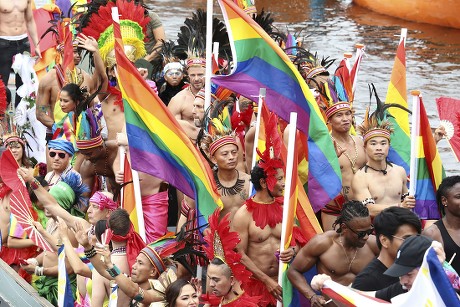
333 27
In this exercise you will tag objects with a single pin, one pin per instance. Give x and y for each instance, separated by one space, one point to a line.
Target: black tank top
450 247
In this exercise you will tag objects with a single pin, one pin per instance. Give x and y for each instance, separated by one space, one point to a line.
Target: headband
225 140
103 201
337 108
376 133
91 143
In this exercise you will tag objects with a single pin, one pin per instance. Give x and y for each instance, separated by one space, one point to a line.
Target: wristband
295 254
35 184
139 297
90 253
404 196
311 297
368 201
114 271
38 270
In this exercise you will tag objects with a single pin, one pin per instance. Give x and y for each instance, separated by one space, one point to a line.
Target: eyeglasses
174 73
396 237
362 234
60 154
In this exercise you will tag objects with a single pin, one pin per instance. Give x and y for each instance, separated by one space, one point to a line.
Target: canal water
332 27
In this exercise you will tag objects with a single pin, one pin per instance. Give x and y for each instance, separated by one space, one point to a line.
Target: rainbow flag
397 93
261 63
129 201
65 296
431 287
430 170
157 144
15 229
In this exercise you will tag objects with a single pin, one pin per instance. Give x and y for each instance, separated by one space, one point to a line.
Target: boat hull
442 12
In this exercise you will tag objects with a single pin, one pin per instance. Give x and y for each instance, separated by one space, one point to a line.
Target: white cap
173 65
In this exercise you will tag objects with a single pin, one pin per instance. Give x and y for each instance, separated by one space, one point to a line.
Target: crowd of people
372 239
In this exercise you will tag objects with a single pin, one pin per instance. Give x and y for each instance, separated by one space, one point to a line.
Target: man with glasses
340 253
60 154
392 226
173 81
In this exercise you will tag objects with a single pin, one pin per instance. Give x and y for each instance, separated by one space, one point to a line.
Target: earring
214 167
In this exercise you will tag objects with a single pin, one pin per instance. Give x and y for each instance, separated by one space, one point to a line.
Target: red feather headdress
221 244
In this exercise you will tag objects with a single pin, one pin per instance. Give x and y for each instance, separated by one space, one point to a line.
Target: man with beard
181 105
258 222
341 253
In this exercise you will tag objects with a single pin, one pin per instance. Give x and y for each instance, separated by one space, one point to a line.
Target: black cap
410 255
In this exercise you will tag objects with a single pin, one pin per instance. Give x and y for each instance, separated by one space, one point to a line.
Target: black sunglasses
60 154
362 234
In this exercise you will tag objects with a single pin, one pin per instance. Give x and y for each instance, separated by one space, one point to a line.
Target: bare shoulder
433 232
320 243
242 217
401 171
358 140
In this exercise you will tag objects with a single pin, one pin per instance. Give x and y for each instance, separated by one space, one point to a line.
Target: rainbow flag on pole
65 296
428 171
397 93
261 63
157 144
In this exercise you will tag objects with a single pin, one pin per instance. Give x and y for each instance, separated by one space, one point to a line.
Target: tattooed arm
43 111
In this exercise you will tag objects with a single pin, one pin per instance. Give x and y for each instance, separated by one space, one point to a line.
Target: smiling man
340 253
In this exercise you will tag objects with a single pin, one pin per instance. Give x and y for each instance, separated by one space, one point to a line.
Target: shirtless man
233 185
379 183
258 222
181 105
350 150
341 254
16 20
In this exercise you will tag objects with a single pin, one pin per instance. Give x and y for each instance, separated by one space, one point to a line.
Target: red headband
91 143
336 108
225 140
134 244
196 62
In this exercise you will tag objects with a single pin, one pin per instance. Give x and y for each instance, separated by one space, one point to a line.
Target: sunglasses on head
60 154
362 234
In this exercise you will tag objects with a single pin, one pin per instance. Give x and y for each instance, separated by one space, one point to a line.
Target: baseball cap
410 255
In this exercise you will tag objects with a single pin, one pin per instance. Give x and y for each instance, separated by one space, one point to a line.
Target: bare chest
13 7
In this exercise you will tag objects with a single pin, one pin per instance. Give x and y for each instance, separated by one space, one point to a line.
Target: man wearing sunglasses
340 253
392 226
60 154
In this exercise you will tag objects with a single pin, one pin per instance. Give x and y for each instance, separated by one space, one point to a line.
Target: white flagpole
262 93
207 84
359 56
137 188
415 131
121 155
287 192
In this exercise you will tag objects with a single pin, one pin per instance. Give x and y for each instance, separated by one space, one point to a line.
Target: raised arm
48 200
43 110
32 28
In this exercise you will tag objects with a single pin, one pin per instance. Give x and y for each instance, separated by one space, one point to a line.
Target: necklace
119 250
346 255
225 302
352 161
383 171
190 89
233 190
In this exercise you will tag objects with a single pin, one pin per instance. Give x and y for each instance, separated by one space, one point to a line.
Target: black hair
257 173
444 188
219 262
100 228
80 96
389 220
119 222
174 289
351 209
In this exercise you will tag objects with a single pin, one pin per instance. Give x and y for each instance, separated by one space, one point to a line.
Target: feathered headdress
270 159
192 37
97 22
177 247
88 132
167 52
69 193
221 244
377 124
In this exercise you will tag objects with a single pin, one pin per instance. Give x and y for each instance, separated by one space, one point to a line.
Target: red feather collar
266 214
117 94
